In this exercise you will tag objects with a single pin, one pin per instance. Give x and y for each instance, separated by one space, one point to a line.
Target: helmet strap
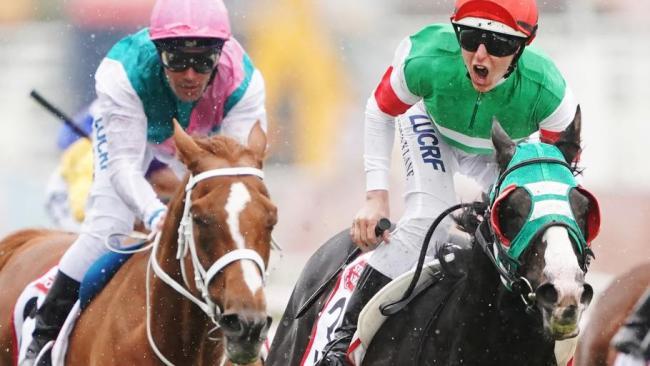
214 74
515 60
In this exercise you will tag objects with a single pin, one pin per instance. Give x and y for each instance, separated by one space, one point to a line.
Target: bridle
485 236
495 250
186 243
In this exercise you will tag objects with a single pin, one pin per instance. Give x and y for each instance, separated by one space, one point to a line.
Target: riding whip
58 113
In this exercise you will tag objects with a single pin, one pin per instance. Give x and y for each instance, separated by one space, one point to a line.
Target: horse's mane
224 147
470 217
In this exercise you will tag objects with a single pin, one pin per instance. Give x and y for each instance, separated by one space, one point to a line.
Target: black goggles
499 45
202 62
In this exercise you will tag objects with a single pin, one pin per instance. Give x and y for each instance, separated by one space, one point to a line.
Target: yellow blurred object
13 11
102 14
301 72
77 170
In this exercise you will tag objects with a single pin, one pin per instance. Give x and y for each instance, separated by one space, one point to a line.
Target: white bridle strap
153 262
223 172
236 255
185 242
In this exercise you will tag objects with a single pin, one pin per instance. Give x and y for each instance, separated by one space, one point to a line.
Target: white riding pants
106 214
430 164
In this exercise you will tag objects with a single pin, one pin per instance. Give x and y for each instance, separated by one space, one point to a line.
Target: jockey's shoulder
435 39
536 66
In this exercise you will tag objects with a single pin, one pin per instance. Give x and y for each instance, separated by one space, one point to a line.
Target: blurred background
321 60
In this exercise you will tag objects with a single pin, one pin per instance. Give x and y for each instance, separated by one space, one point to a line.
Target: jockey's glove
155 219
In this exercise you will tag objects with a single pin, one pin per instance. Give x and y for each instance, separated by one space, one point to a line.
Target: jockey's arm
122 148
390 99
250 109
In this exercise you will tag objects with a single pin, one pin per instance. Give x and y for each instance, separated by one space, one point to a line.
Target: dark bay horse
607 315
469 317
198 297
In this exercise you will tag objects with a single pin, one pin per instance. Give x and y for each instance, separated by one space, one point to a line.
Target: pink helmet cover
189 18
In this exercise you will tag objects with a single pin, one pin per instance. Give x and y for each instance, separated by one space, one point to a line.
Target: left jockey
69 185
187 66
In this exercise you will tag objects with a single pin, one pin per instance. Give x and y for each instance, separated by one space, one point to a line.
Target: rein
186 243
517 284
396 306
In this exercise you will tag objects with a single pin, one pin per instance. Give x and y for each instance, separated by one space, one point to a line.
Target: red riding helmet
513 17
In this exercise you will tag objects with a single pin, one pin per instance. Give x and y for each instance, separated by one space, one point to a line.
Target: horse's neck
491 306
179 326
482 278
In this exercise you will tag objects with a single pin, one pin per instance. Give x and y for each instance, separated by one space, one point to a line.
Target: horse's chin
243 353
558 330
564 331
558 327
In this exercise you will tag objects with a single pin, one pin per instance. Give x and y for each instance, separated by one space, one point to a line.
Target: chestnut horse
608 314
197 297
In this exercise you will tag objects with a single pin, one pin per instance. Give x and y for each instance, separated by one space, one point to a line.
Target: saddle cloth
371 318
23 323
96 278
331 316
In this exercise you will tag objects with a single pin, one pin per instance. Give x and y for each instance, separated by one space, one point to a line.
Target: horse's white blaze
561 262
237 200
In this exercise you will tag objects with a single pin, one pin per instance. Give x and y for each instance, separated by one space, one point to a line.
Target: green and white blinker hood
541 170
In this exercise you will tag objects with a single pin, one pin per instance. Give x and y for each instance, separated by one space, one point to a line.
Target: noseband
186 243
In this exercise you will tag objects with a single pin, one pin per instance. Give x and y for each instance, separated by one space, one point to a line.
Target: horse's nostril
231 324
570 312
252 328
547 293
587 294
260 327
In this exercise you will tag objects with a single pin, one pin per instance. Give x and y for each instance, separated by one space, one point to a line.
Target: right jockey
187 66
445 85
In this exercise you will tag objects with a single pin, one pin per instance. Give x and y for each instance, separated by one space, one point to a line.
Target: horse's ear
188 150
569 141
257 141
504 147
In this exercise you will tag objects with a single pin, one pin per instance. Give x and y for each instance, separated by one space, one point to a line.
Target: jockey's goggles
202 62
497 44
